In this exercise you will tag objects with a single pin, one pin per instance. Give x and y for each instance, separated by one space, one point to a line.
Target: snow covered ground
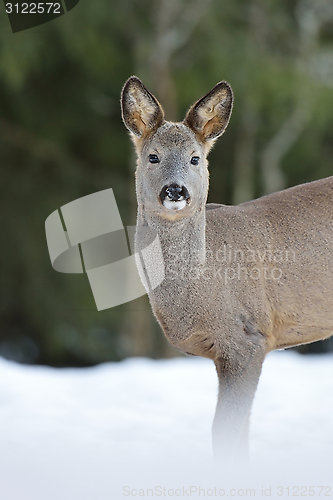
141 428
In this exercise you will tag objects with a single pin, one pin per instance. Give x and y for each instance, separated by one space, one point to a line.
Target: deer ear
210 116
142 113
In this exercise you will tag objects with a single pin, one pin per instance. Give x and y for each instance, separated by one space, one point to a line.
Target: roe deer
240 281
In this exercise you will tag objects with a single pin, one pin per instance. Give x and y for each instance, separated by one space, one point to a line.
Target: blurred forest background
61 138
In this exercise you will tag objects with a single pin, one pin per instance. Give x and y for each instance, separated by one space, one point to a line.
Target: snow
130 429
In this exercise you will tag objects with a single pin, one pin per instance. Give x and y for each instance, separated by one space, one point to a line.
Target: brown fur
240 281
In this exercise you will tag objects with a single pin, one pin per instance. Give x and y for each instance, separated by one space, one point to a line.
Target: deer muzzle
174 197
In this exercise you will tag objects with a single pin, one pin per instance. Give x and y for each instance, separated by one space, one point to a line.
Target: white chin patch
174 205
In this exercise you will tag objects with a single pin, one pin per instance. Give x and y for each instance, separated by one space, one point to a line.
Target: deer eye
154 159
195 160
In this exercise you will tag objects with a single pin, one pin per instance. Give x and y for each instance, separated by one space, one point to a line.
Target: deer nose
174 192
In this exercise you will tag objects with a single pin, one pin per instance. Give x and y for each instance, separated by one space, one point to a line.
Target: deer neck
182 241
175 299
